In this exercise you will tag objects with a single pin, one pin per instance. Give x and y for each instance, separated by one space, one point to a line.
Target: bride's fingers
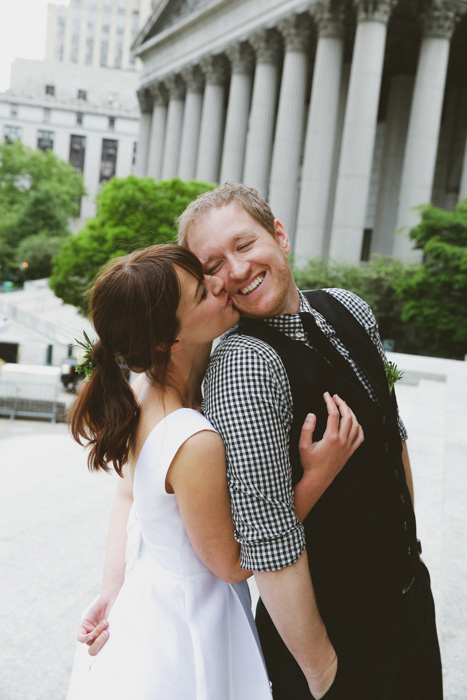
347 416
332 424
97 645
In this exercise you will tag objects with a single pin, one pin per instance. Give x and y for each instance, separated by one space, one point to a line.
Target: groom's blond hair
246 197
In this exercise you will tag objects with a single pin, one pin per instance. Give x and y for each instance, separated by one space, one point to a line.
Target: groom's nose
238 269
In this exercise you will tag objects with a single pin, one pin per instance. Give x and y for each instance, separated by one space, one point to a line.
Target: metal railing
30 399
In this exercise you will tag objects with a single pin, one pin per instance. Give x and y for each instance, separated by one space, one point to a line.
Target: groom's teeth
253 285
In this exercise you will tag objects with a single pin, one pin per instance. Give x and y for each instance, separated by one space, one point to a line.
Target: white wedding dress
177 632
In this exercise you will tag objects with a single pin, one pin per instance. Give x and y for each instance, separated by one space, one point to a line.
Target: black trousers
393 656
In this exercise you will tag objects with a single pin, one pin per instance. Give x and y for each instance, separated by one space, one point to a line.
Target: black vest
360 536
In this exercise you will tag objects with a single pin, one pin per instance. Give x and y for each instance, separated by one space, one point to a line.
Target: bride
180 624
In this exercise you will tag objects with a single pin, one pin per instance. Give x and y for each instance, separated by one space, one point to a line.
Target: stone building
95 33
81 100
345 114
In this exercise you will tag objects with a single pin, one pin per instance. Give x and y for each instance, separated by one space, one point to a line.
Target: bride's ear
177 345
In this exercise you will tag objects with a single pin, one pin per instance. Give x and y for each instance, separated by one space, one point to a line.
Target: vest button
386 447
383 420
405 525
409 551
396 473
402 499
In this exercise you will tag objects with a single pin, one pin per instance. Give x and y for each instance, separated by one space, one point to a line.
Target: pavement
54 516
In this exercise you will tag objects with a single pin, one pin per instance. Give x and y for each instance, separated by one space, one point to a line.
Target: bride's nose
215 284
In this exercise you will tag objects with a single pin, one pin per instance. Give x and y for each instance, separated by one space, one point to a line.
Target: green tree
435 298
37 252
38 194
132 213
376 282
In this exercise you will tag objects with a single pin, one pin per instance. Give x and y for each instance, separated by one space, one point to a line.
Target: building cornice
83 107
176 33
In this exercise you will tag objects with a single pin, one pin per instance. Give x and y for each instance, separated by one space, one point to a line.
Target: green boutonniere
393 374
87 364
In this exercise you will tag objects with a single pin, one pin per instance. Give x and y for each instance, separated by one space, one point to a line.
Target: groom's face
251 262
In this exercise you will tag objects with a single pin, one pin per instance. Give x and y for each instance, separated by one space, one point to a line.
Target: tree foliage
376 282
38 194
132 213
435 298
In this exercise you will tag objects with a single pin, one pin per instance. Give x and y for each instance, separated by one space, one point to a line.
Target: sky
22 33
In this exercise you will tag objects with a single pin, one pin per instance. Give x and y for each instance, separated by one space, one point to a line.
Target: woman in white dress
181 627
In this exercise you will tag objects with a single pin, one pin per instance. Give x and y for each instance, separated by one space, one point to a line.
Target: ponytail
133 303
105 413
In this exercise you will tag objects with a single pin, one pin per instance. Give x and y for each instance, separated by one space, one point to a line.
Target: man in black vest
368 585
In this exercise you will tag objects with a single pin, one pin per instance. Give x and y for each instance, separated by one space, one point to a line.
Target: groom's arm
247 398
290 601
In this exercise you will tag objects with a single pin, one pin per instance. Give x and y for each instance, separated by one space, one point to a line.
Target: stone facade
345 114
81 101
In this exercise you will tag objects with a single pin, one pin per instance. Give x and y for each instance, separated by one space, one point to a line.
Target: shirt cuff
273 554
402 430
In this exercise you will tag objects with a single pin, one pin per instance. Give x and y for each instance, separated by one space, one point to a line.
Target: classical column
194 81
176 87
144 134
283 193
267 46
456 171
215 69
425 119
158 124
241 58
321 134
395 137
463 181
358 138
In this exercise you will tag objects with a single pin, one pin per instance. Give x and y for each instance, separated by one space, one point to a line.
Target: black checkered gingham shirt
248 400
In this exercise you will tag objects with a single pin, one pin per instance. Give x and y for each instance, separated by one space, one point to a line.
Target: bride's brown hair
133 306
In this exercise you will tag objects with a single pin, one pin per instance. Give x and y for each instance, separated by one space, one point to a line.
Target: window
50 90
59 46
11 133
13 111
366 245
111 122
113 99
79 118
108 159
134 32
77 152
47 113
82 94
135 151
45 140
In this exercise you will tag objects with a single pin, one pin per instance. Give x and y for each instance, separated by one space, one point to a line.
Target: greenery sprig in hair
88 364
393 374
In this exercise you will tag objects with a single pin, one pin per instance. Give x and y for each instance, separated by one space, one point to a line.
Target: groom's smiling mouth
252 286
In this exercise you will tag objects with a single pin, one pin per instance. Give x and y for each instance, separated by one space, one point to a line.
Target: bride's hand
323 460
94 626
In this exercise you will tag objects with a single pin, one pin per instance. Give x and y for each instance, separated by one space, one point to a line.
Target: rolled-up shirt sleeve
247 399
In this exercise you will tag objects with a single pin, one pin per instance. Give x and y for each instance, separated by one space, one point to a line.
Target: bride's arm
198 478
323 460
93 630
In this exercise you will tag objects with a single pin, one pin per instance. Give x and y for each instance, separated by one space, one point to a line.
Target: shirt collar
291 324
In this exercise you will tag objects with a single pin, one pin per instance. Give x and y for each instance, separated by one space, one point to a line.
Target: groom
367 609
369 586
